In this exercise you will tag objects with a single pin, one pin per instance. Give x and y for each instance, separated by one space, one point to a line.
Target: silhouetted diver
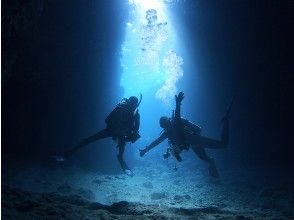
122 125
182 134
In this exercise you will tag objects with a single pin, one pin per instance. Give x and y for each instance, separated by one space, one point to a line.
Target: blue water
70 64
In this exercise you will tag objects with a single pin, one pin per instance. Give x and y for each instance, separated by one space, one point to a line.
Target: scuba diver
122 125
183 134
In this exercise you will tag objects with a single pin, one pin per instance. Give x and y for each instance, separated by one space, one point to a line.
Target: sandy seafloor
156 191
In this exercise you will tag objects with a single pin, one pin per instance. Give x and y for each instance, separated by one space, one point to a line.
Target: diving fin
58 158
213 170
129 172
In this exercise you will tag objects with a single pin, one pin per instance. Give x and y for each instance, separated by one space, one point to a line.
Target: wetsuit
183 134
122 125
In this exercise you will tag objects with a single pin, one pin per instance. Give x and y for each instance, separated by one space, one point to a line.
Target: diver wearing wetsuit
122 125
183 134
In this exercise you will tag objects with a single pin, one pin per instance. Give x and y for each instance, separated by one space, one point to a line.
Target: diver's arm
156 142
179 99
178 120
161 138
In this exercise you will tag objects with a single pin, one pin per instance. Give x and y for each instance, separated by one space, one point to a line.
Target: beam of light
148 58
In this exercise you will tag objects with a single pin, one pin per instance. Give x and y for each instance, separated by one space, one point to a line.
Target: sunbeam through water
150 63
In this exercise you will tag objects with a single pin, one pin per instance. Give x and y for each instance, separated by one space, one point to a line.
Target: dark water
61 77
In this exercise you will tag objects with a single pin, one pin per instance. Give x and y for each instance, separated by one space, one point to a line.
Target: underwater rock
119 207
134 209
157 196
242 217
76 200
18 204
23 201
191 212
96 205
64 188
86 193
148 185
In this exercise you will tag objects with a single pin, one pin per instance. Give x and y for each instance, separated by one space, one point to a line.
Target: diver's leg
201 153
121 148
216 144
198 140
176 150
99 135
223 143
211 143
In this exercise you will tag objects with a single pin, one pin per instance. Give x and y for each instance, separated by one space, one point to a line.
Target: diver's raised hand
143 152
179 97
